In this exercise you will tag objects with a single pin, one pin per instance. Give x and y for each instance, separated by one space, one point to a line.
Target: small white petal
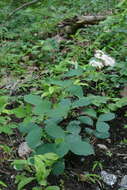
95 63
106 59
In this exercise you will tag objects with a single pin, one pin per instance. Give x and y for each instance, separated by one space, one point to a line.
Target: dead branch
90 19
23 6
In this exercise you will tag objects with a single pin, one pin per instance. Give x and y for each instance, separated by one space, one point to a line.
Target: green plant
61 138
97 164
39 165
90 178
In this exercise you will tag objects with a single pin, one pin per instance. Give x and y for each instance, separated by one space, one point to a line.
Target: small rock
102 146
98 188
24 149
123 183
109 179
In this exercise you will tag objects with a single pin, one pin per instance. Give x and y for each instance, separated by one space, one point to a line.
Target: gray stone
109 179
98 188
123 183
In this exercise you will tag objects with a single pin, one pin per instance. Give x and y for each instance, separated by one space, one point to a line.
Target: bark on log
71 25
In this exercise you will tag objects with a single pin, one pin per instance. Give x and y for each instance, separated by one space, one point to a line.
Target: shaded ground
113 160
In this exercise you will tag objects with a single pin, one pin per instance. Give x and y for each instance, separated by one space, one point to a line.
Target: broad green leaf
62 83
46 148
6 129
89 131
33 138
24 182
53 120
27 127
55 131
82 148
61 109
122 102
52 188
71 138
73 127
98 100
106 117
33 99
43 108
62 149
90 112
77 146
81 102
86 120
75 90
58 167
74 72
102 135
102 127
22 111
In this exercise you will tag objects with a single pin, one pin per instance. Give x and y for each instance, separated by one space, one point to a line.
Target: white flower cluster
101 59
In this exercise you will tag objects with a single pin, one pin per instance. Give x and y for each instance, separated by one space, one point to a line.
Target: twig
23 6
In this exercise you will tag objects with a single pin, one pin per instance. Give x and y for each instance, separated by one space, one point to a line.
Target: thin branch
23 6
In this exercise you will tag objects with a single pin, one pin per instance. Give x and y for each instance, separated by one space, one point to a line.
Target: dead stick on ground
23 6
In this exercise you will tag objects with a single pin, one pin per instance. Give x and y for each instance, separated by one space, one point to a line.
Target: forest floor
31 53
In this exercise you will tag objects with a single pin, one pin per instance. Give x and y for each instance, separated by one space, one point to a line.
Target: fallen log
70 26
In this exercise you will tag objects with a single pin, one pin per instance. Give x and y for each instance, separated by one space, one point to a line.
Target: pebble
24 149
102 146
109 179
123 183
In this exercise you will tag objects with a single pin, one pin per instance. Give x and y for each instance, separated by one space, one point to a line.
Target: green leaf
89 131
43 108
77 146
41 172
52 188
70 138
20 164
90 112
73 72
55 131
33 99
33 138
6 129
102 127
62 83
98 100
62 149
81 102
61 109
106 117
43 165
46 148
58 167
75 90
3 184
22 111
102 135
27 127
3 102
73 127
86 120
82 148
24 182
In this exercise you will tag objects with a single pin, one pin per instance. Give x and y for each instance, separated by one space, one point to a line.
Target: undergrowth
49 92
